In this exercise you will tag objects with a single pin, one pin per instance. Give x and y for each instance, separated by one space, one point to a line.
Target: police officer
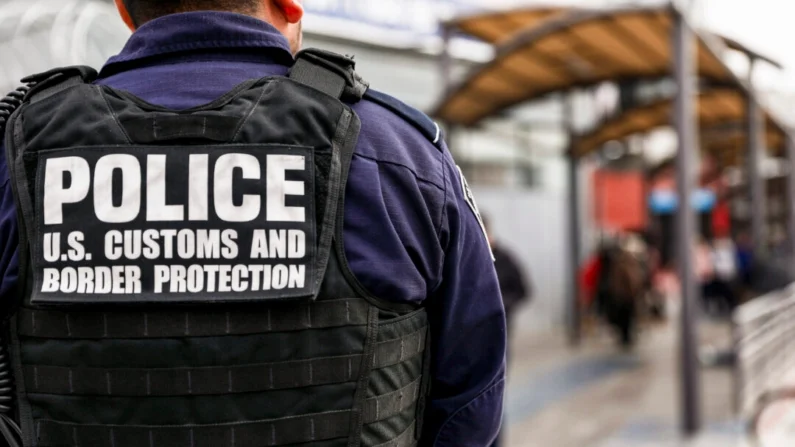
215 241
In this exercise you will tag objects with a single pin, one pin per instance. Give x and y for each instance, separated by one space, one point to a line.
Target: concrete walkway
598 396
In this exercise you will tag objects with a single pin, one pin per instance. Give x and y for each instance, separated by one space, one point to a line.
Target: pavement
599 396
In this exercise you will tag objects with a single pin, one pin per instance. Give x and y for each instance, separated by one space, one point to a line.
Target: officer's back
411 241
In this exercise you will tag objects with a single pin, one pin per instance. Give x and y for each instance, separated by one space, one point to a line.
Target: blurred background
565 118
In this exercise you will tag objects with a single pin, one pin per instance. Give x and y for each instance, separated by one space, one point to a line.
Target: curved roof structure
37 35
576 49
497 27
500 26
721 115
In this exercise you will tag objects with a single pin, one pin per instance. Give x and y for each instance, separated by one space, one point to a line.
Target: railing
764 338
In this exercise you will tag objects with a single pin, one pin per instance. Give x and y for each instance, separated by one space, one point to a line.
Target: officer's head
285 15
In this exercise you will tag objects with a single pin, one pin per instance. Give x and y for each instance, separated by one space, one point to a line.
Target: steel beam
683 42
756 179
790 142
575 243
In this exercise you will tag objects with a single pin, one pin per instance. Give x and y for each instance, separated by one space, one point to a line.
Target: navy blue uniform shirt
410 235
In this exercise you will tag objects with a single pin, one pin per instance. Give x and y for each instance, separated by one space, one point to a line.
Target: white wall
533 225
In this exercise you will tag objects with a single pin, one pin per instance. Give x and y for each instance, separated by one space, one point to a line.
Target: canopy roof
497 27
566 50
721 114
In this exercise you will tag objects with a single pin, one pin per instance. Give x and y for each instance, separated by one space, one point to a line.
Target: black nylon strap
272 432
387 405
405 439
330 73
175 127
318 77
392 352
117 382
170 324
57 80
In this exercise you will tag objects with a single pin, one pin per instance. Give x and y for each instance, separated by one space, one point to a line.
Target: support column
791 193
756 180
575 242
683 42
445 60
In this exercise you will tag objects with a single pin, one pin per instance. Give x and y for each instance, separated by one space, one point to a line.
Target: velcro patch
190 224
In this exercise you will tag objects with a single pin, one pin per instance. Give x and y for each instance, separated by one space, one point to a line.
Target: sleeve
8 235
468 330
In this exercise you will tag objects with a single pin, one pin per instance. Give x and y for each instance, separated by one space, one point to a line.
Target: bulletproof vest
183 281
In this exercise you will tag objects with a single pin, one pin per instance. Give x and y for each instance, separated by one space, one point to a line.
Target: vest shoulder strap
330 73
53 81
428 127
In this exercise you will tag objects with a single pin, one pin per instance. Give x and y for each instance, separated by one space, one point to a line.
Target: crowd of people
625 279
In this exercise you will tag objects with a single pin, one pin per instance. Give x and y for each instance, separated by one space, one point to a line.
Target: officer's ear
292 10
125 15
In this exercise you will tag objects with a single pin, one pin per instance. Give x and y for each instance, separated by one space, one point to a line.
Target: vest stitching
402 343
250 113
151 438
229 377
269 320
190 382
146 325
273 434
377 411
104 325
33 322
187 324
350 368
36 377
309 315
38 430
228 324
312 429
192 439
74 436
270 377
347 311
148 384
112 437
310 373
68 326
107 379
110 111
233 436
71 382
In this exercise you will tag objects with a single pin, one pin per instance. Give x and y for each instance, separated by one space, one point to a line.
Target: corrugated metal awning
721 114
575 49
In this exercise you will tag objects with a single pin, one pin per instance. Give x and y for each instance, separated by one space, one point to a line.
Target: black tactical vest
183 281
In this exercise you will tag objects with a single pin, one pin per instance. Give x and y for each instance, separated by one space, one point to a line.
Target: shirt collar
204 31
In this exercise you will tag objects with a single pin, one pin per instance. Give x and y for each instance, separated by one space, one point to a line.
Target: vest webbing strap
405 439
318 77
329 73
170 324
385 406
119 382
273 432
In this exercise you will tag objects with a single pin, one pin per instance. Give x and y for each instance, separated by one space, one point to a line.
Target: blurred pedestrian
314 273
514 285
513 279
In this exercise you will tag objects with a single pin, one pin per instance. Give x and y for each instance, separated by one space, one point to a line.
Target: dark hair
142 11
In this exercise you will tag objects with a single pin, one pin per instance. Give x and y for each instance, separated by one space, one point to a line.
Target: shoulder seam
394 163
413 116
